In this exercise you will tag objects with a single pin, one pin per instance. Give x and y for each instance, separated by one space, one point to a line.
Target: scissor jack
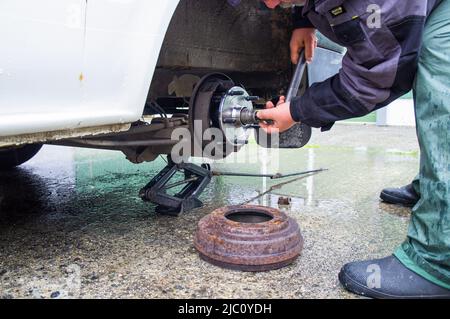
196 178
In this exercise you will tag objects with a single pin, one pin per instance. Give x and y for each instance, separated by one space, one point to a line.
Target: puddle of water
86 203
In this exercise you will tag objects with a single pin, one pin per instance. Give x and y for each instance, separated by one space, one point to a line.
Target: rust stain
44 137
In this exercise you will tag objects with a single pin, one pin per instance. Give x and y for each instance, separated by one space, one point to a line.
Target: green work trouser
427 248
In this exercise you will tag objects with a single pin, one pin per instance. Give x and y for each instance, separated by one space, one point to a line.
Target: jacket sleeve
379 67
300 21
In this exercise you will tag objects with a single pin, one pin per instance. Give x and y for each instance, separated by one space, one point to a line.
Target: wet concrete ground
72 225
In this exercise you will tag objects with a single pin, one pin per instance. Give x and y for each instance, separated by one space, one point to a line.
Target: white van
120 74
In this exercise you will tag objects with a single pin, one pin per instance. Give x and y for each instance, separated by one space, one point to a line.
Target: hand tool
239 114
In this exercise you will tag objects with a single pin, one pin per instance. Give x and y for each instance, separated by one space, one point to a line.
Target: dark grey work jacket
381 60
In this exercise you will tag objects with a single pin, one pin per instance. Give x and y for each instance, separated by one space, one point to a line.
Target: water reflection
23 194
64 179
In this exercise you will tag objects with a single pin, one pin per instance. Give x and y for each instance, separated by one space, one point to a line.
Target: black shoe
387 278
405 195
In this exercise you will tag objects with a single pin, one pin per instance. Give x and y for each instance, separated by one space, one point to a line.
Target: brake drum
248 238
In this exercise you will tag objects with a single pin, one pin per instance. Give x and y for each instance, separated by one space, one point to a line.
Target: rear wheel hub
214 99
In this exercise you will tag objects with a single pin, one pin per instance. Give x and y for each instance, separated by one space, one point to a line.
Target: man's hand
280 115
303 38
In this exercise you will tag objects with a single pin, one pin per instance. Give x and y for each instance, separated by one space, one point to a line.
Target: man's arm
379 67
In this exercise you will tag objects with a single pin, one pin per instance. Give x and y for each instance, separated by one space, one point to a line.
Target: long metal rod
271 176
280 185
297 78
118 141
278 176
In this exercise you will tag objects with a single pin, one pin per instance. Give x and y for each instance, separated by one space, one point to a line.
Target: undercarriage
215 60
211 47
